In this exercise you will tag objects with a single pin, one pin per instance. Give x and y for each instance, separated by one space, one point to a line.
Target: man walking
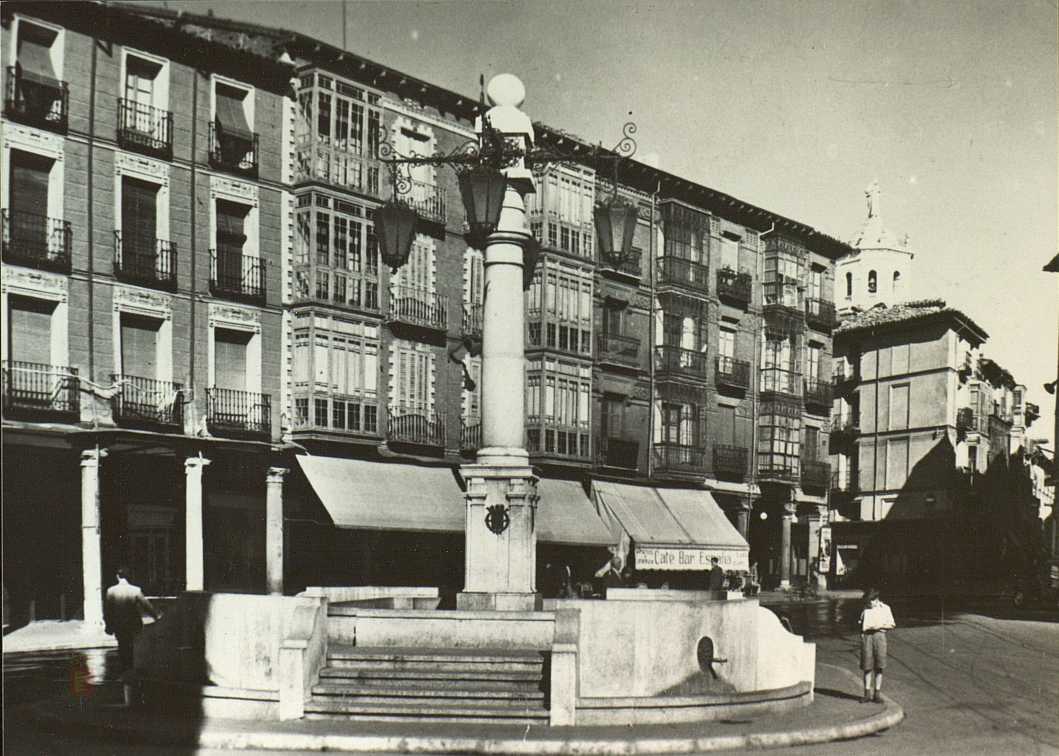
123 614
875 620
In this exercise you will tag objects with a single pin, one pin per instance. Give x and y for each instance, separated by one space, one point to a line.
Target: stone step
466 676
440 655
404 692
474 711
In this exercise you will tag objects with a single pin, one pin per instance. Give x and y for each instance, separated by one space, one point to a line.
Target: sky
792 106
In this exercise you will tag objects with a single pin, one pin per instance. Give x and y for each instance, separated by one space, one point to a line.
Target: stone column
742 519
501 538
194 572
785 544
274 529
91 549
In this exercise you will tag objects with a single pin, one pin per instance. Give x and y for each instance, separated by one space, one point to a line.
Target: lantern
531 253
482 189
615 226
395 225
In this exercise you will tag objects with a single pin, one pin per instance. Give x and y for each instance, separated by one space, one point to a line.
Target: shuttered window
34 52
139 216
139 346
229 359
29 329
29 183
230 114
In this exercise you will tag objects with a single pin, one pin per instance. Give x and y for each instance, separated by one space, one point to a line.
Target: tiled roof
908 312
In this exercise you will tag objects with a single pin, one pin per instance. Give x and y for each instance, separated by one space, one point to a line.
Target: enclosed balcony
733 287
560 443
329 163
679 458
144 402
730 461
238 414
36 100
618 452
820 314
783 307
777 471
145 129
676 362
816 474
417 308
470 436
817 394
415 426
233 151
149 262
324 415
779 382
36 241
471 324
35 391
968 421
676 271
237 276
617 350
732 373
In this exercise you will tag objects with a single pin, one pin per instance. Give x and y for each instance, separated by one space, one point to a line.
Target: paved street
980 679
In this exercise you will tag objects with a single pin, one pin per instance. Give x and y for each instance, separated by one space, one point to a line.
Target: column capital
192 463
790 508
92 457
276 475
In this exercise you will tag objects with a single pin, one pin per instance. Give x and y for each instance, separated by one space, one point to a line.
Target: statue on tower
874 195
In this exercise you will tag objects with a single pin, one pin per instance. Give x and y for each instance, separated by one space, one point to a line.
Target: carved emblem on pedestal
497 519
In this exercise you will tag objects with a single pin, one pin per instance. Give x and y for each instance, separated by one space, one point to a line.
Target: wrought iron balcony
36 241
36 100
147 402
816 474
470 435
775 471
418 307
776 381
237 276
151 262
415 426
843 484
428 200
846 424
675 361
627 269
145 129
238 414
820 314
734 287
472 319
232 151
730 461
679 458
618 452
677 271
732 373
35 391
614 349
817 393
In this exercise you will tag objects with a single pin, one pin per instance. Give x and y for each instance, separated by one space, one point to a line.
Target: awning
565 515
229 111
34 53
367 495
674 529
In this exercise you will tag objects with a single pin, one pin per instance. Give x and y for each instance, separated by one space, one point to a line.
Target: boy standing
875 620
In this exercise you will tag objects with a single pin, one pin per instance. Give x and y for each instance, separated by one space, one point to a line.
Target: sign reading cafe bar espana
685 558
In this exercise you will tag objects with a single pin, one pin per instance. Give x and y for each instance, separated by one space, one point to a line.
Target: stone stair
438 685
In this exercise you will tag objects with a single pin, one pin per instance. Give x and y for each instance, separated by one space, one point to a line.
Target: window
972 458
564 204
37 55
896 463
779 439
849 284
726 343
612 419
685 232
340 250
729 253
872 282
897 281
413 380
29 330
680 424
814 354
558 398
139 219
565 296
816 283
229 358
778 367
29 226
144 95
233 144
139 346
474 277
342 358
812 444
899 406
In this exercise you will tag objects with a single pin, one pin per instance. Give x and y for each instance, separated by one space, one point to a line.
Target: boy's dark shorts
873 650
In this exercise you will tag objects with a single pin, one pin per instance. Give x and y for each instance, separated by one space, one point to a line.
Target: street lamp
395 226
482 189
615 225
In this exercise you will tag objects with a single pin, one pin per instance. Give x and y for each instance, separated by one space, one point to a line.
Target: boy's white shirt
877 617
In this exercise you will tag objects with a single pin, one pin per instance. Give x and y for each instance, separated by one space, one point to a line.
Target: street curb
222 734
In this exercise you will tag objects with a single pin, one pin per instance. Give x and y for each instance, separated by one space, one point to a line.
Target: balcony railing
235 152
732 373
145 129
681 272
237 276
151 262
784 472
470 435
410 425
670 457
779 381
36 100
820 314
817 393
628 268
230 412
734 287
841 371
846 424
428 200
730 461
618 452
38 391
418 307
36 241
615 349
816 474
676 361
144 401
843 484
319 161
472 319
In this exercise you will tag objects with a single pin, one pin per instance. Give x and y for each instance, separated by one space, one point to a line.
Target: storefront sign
676 558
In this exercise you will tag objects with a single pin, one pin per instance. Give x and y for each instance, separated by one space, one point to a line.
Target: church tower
879 267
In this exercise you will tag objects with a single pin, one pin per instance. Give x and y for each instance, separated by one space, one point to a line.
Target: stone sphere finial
506 89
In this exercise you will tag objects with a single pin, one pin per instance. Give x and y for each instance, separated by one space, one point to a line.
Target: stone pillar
742 519
194 571
91 549
274 529
785 544
500 560
815 521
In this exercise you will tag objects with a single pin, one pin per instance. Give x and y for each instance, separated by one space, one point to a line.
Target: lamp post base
474 601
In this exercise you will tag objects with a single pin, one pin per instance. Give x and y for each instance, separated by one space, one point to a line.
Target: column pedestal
274 529
194 571
91 549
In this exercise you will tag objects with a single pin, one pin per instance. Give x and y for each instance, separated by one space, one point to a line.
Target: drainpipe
651 334
193 246
91 213
754 357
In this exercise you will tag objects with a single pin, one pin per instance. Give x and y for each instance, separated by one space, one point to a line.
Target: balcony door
141 89
139 225
229 359
29 202
29 330
231 237
38 83
139 347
